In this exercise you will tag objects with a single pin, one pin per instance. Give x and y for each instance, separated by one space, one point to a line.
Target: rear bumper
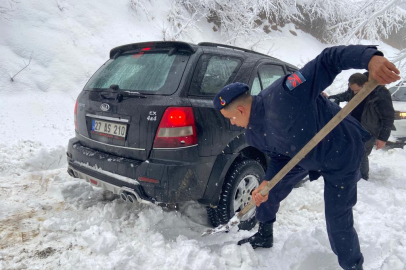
173 181
112 184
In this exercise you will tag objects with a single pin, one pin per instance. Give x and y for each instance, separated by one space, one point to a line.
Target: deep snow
52 221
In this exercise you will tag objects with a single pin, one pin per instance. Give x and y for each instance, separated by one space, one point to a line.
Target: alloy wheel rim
242 195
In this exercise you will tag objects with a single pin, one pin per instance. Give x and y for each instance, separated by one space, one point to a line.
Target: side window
269 74
213 73
256 86
266 75
291 70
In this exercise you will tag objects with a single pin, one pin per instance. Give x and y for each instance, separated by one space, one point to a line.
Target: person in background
283 118
375 113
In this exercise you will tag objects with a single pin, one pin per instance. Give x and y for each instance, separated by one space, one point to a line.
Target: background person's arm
307 83
342 97
387 117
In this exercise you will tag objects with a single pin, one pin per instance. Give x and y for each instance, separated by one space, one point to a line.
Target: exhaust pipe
130 195
131 198
123 196
71 173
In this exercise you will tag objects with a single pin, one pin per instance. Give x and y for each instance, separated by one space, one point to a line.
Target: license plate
110 128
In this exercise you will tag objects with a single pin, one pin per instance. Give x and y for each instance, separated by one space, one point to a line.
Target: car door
213 72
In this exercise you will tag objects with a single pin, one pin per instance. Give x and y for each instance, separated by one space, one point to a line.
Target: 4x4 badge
105 107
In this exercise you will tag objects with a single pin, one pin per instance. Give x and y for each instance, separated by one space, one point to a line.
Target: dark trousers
339 198
365 161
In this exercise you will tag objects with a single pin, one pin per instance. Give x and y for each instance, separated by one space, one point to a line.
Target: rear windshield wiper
113 87
128 94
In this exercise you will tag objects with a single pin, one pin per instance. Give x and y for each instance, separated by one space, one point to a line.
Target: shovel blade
234 221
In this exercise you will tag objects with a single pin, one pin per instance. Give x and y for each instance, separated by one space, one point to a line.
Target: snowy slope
52 221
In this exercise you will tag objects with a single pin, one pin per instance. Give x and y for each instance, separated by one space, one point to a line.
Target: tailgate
127 129
120 109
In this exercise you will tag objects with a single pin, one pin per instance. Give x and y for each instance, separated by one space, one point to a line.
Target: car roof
192 48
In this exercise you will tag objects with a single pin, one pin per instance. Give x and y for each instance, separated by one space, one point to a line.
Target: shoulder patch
294 80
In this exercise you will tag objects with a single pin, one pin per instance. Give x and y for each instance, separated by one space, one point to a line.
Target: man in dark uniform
375 113
284 117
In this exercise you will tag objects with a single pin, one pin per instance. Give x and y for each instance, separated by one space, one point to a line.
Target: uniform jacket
378 114
282 121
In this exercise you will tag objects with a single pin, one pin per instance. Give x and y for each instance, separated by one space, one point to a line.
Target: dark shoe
263 238
365 177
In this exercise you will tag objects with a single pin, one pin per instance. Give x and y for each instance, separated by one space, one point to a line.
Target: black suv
146 128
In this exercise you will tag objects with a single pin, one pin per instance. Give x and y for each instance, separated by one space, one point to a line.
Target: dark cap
228 94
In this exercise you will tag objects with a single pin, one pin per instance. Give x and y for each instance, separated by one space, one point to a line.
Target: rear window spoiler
180 46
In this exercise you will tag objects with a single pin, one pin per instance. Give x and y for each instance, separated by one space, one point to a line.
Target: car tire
242 178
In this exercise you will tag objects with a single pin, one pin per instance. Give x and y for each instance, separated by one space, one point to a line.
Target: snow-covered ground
49 220
52 221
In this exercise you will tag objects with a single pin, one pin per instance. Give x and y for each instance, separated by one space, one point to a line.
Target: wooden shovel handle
357 99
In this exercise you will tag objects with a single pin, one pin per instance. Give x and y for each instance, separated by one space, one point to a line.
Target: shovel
357 99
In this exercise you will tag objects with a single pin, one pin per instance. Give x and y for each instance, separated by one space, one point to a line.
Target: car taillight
177 128
76 116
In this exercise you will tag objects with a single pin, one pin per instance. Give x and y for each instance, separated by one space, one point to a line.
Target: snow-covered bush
332 21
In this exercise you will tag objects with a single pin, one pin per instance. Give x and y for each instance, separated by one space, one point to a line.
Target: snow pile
65 223
30 156
48 159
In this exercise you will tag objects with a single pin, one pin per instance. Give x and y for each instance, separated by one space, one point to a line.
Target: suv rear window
150 72
213 73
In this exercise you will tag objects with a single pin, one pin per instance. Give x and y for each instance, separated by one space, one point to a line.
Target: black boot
263 238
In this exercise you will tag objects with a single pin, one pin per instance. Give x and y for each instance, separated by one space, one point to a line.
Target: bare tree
400 61
58 4
368 19
139 5
234 19
240 18
26 65
345 22
373 20
182 17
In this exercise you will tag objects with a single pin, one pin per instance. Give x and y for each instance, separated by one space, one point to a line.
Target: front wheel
242 178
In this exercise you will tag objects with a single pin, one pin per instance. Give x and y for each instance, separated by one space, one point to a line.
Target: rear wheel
242 178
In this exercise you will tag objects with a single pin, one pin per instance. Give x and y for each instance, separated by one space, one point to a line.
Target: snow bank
30 156
69 224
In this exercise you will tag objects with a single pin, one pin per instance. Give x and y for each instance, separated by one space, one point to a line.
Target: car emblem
105 107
